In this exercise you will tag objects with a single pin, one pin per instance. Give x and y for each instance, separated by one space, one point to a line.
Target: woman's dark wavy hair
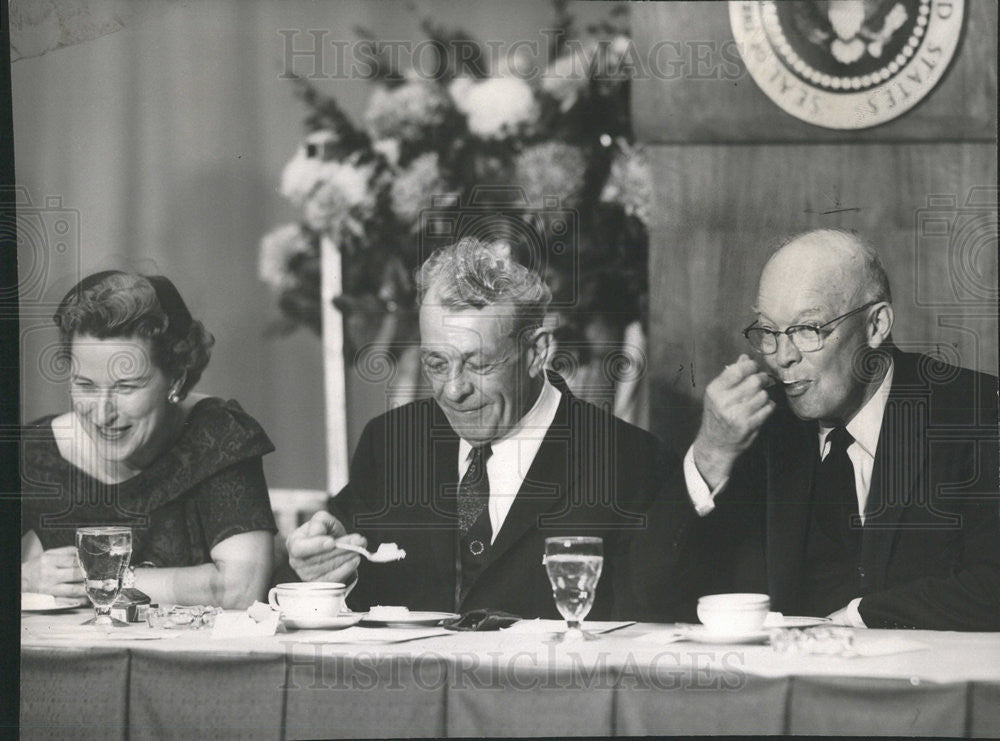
117 304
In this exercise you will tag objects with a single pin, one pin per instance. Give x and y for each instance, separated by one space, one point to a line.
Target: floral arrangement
560 139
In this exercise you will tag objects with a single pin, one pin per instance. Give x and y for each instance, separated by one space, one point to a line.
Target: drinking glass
104 554
574 566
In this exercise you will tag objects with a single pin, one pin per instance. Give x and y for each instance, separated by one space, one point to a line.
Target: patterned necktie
474 489
835 478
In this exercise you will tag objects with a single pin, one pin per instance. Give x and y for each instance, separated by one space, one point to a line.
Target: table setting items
392 616
830 640
574 565
312 605
47 603
730 618
104 554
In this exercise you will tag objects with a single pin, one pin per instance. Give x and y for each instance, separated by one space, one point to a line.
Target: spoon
386 552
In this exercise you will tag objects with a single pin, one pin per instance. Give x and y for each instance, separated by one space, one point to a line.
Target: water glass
574 565
104 554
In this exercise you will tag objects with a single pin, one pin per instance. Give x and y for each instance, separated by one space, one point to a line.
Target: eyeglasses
439 368
805 337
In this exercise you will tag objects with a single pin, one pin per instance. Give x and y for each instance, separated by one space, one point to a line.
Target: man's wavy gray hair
472 274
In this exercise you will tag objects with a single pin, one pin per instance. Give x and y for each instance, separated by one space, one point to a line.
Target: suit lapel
444 456
899 459
791 467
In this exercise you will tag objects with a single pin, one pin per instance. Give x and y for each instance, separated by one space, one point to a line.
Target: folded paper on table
539 626
232 624
260 612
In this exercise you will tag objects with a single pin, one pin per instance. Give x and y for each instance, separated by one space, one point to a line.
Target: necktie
835 480
474 489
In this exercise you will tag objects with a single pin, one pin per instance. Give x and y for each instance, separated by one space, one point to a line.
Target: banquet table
315 684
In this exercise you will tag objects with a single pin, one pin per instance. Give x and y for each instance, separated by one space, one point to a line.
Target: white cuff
701 496
853 615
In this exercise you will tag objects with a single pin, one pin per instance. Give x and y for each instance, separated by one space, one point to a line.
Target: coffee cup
308 599
733 614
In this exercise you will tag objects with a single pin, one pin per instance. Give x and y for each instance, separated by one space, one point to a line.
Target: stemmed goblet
574 566
104 554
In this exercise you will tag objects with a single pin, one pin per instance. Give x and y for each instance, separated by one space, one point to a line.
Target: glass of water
104 554
574 566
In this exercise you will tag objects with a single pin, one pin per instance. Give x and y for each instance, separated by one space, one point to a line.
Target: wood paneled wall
734 174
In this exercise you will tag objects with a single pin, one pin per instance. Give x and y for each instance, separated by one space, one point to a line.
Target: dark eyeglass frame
820 330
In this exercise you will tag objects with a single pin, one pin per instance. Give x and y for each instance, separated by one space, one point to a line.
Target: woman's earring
174 397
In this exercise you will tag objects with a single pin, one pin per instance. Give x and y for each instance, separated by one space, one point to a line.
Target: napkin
232 624
539 626
484 619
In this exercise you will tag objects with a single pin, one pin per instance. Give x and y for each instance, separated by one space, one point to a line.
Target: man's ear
539 346
880 322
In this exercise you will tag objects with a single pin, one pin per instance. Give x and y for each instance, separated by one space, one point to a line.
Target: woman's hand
55 571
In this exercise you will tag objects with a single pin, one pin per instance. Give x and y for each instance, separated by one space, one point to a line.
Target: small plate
795 621
343 620
413 620
701 634
63 604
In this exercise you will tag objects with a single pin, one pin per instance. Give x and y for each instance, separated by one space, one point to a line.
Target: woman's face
120 396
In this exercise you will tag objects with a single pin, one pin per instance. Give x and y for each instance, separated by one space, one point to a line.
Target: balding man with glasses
842 476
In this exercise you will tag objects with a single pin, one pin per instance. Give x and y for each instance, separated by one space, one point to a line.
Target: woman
183 470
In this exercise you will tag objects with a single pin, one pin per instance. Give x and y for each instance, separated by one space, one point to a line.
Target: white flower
277 249
407 112
388 148
630 183
551 168
413 188
459 89
500 107
304 172
300 177
568 75
343 198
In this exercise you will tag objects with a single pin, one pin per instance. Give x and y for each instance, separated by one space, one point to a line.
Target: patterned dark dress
209 486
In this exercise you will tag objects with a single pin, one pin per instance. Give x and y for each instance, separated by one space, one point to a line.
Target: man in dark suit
840 475
471 482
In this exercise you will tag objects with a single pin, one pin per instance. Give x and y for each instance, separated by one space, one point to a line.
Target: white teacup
308 599
733 613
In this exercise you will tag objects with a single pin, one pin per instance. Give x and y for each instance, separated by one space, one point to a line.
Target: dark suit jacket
593 475
931 538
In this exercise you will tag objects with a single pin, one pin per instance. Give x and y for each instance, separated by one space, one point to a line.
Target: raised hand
313 552
735 408
55 571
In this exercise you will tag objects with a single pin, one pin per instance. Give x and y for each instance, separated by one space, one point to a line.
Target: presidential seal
846 64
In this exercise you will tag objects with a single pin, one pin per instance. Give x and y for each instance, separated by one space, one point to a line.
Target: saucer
701 634
414 619
343 620
794 621
62 604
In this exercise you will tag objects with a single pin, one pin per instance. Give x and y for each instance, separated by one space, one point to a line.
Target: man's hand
736 406
313 552
55 571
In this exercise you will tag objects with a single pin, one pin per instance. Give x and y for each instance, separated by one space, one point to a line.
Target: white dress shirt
513 455
864 427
